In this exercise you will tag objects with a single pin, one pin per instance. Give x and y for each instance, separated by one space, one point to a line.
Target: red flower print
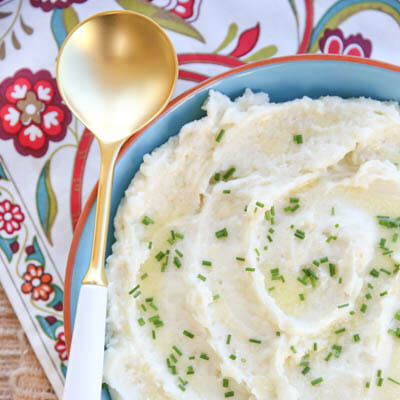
334 42
11 217
61 347
37 283
48 5
31 112
186 9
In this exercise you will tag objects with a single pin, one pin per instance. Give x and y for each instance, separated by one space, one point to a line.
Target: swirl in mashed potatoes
256 257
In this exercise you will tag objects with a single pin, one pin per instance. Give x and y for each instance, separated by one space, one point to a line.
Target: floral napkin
48 161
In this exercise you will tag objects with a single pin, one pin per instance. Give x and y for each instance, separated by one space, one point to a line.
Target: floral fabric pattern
11 217
37 283
334 42
48 5
31 112
61 347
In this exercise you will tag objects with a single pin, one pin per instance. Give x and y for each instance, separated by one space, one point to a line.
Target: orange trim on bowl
89 203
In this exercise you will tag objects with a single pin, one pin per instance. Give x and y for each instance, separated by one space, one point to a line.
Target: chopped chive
341 330
269 238
202 277
271 230
229 173
240 259
204 356
385 271
137 294
316 263
367 385
178 252
328 357
144 276
301 295
352 312
228 339
380 381
182 387
245 207
147 220
379 373
343 305
183 381
190 370
232 357
250 269
332 269
150 245
293 349
303 280
226 191
340 280
368 296
299 234
179 235
191 357
277 333
149 299
177 262
331 238
143 307
294 200
255 341
370 286
177 350
395 237
273 211
173 358
153 334
229 394
173 370
397 315
134 289
153 306
333 211
393 380
220 134
217 177
363 308
172 235
317 381
141 321
356 337
374 273
154 318
225 382
315 346
383 293
160 255
188 334
206 263
298 139
222 233
323 260
388 222
306 370
216 297
259 204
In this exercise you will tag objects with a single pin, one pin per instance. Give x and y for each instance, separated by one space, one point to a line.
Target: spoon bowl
116 71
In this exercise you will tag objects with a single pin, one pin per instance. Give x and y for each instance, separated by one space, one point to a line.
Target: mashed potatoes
256 257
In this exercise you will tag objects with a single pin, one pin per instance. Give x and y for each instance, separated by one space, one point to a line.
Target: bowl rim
177 100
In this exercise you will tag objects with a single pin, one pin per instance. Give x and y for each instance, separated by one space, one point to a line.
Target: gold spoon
116 71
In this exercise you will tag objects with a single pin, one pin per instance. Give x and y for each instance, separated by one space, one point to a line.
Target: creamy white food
281 281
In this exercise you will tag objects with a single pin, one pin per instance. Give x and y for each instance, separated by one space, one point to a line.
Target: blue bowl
283 79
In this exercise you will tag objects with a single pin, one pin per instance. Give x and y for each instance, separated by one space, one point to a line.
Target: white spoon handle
85 364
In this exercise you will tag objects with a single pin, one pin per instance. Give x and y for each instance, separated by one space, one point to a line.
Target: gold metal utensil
116 71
